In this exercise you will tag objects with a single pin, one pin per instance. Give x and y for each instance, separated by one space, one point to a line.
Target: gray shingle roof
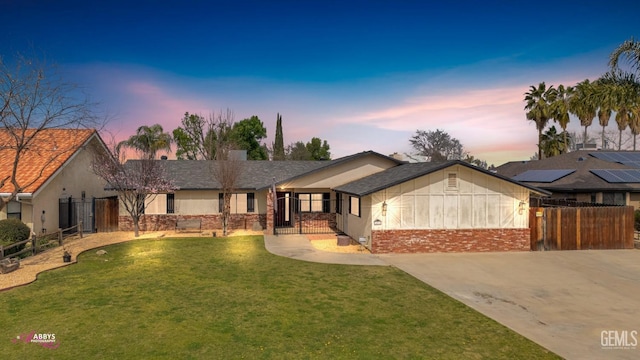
581 180
255 175
405 172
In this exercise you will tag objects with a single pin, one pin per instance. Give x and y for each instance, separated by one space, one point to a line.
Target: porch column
270 220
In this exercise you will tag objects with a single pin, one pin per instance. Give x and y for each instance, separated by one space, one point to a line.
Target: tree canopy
247 134
199 138
436 145
34 98
278 145
148 140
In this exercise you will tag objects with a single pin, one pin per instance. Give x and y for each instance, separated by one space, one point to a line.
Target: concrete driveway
578 304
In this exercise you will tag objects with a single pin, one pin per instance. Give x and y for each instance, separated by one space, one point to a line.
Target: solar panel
543 176
615 156
619 175
635 164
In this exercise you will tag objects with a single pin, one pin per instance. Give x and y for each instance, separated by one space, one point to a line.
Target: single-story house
55 173
393 206
603 176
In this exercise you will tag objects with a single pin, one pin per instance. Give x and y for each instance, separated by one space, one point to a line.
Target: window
318 202
141 200
251 202
354 206
14 210
238 203
614 198
170 203
338 203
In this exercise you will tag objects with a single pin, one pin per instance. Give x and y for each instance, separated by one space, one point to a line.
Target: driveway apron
578 304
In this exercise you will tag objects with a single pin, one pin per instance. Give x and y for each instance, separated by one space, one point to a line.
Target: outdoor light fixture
521 207
384 208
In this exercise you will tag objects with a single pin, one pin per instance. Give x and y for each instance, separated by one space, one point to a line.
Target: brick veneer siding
455 240
165 222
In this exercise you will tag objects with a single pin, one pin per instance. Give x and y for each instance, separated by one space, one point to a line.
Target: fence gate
581 228
106 214
304 213
71 211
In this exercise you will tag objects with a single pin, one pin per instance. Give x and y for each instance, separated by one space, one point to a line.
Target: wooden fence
582 228
40 243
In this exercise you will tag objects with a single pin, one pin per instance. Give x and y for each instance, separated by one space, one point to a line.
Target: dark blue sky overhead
382 68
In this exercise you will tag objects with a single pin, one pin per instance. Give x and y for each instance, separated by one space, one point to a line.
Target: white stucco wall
73 178
340 174
200 202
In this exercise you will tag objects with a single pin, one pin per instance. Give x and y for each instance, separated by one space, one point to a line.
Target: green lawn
203 298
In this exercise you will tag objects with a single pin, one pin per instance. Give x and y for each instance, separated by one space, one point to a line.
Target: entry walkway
298 247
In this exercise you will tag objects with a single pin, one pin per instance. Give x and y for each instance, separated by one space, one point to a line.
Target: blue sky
363 75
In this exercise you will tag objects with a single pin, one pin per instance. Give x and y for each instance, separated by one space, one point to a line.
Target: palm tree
148 140
630 49
624 90
603 96
553 143
582 104
560 109
539 101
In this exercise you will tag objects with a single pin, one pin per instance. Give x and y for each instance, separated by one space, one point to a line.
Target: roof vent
581 158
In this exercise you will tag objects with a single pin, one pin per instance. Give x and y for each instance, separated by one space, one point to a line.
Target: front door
283 209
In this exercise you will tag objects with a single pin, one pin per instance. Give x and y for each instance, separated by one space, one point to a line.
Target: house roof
409 171
581 179
255 174
49 150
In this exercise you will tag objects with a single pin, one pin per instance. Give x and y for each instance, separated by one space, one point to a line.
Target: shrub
637 220
12 231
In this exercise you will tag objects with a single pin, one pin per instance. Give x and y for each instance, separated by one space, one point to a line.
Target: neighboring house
55 174
392 205
605 177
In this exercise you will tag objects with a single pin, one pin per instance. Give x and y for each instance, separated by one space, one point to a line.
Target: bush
13 231
637 218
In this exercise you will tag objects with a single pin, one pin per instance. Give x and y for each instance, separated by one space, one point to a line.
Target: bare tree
227 166
137 182
437 145
198 137
33 99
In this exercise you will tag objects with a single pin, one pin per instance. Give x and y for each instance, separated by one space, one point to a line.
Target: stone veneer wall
454 240
164 222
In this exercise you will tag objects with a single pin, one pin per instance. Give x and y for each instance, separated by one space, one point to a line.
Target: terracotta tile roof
49 150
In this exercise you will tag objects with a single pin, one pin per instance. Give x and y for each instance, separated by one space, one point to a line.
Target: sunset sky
363 75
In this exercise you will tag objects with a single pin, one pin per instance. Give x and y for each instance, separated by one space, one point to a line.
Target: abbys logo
47 340
619 339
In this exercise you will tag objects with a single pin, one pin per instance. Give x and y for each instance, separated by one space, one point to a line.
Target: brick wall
455 240
208 222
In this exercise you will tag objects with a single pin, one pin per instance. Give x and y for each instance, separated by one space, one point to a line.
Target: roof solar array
543 176
619 175
619 157
635 164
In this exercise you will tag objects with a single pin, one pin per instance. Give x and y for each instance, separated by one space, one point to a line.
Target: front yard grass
198 298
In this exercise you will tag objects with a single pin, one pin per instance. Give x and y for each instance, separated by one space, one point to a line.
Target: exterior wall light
384 208
521 207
